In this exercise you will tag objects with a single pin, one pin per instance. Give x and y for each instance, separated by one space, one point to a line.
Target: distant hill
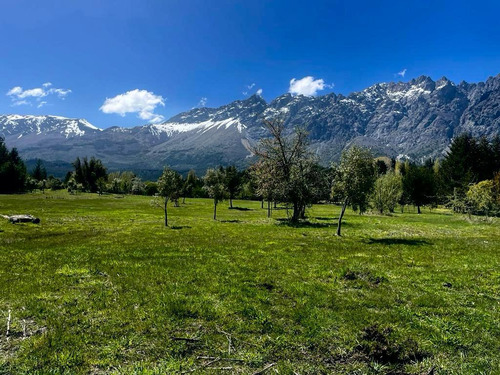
416 119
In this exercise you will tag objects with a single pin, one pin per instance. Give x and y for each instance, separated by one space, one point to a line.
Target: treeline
467 179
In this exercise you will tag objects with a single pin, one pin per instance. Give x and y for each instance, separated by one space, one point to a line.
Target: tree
169 186
288 160
215 187
353 181
419 185
189 185
150 188
232 180
12 170
468 161
138 187
88 172
387 191
39 172
481 197
264 176
54 183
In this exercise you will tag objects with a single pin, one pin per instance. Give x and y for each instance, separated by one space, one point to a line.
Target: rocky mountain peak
417 118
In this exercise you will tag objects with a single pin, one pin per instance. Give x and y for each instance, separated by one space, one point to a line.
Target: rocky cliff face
416 119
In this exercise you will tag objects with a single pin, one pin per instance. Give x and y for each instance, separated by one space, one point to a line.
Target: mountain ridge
415 119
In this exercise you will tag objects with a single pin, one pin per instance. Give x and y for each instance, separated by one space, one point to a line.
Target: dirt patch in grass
380 345
362 275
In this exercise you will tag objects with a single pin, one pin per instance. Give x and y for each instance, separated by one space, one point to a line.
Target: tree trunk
230 202
183 199
418 210
296 212
275 205
262 203
268 208
165 210
215 210
339 225
303 211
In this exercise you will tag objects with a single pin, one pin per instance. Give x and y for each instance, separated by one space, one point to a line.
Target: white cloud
20 102
307 86
248 88
137 101
41 104
36 93
203 102
15 91
24 97
259 92
61 93
402 73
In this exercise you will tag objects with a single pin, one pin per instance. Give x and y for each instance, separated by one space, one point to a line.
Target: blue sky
128 62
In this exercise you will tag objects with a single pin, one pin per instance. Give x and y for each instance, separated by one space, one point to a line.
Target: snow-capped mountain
17 125
416 118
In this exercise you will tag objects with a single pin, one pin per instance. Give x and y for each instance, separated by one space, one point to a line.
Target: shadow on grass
327 218
176 227
303 224
397 241
240 208
230 221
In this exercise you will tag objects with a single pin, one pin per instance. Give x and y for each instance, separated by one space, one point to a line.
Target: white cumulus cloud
19 96
137 101
402 73
307 86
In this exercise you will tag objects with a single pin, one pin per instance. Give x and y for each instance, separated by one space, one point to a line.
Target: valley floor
101 286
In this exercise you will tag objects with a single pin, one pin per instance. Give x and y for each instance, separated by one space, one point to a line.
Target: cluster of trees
467 179
469 176
12 170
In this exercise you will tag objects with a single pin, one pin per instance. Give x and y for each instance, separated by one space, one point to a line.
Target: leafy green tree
468 160
215 186
381 167
189 185
419 185
232 180
39 172
150 188
12 170
481 197
387 192
353 180
169 186
88 172
54 183
138 186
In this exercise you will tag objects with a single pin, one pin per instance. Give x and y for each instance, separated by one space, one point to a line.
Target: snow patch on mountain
170 128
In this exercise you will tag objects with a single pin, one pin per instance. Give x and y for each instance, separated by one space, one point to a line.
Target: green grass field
101 286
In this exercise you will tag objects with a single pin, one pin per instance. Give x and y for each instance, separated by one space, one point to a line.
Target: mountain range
415 119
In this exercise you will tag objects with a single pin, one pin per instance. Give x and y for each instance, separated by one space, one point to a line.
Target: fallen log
22 219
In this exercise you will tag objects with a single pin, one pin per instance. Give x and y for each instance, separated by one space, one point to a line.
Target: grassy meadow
101 286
